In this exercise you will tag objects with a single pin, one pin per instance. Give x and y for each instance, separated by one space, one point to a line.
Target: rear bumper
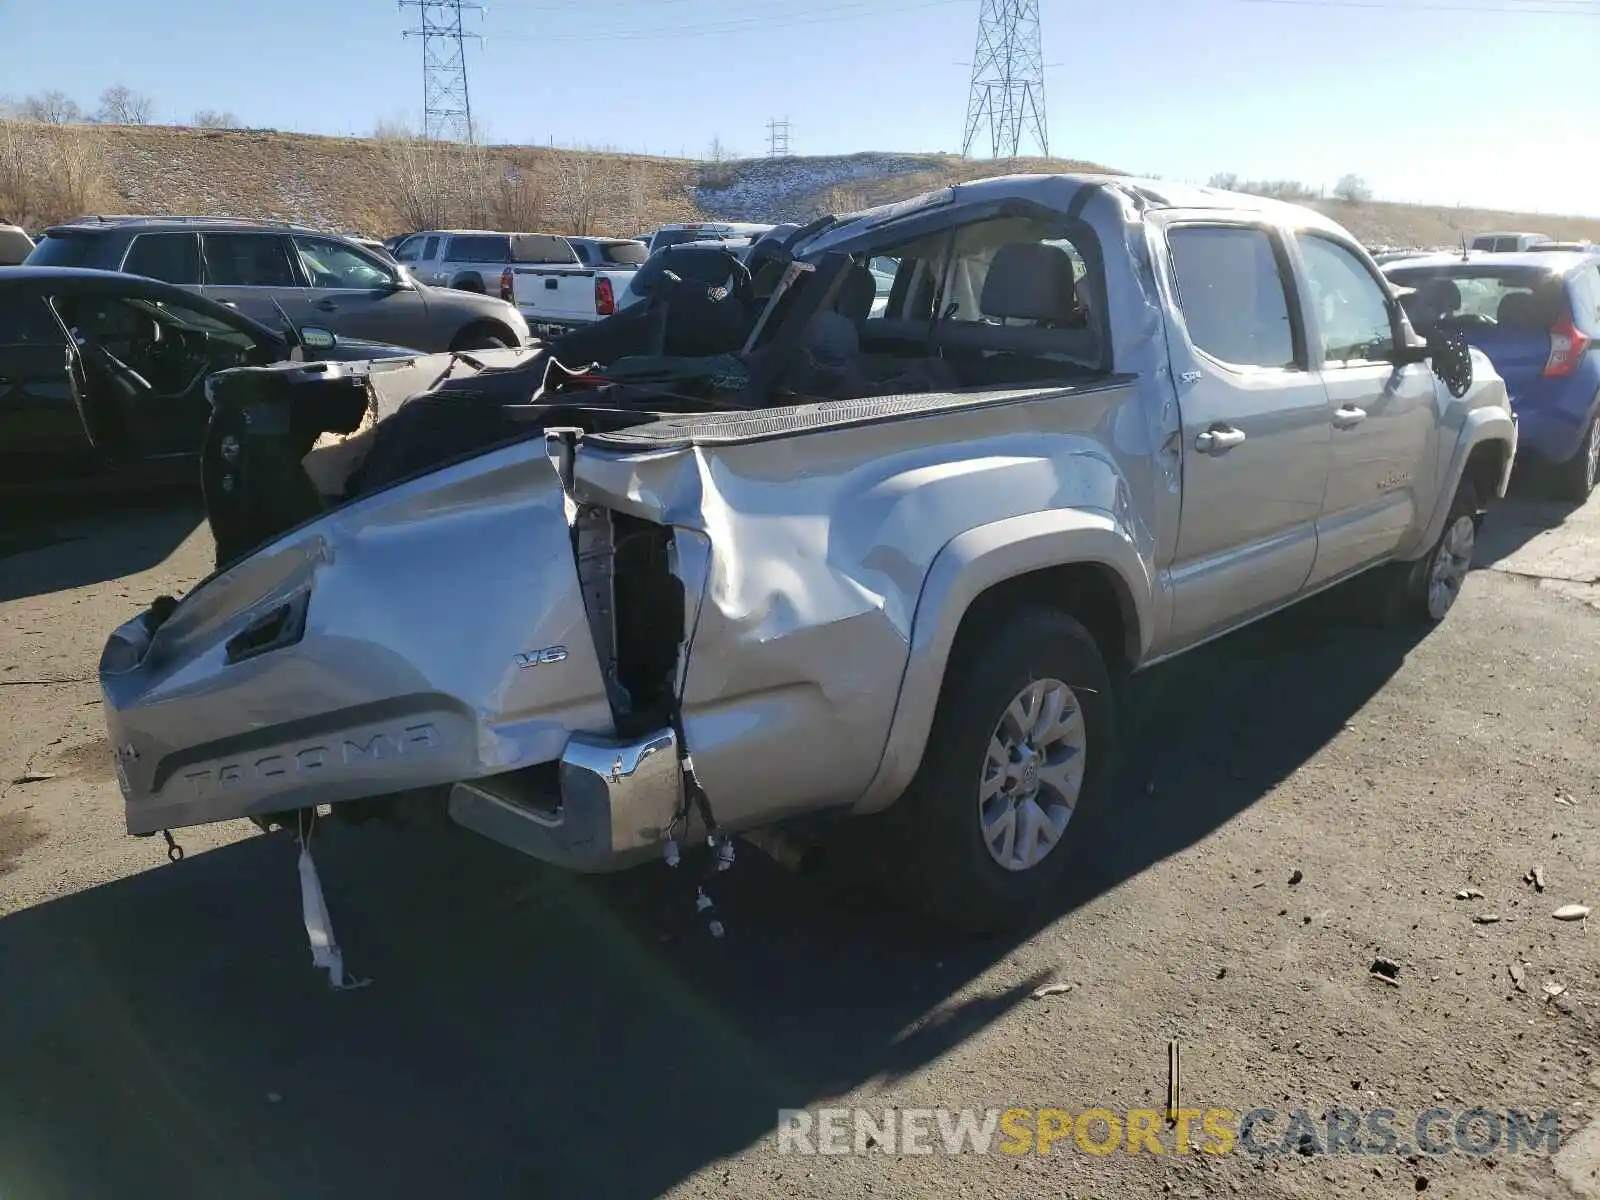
611 807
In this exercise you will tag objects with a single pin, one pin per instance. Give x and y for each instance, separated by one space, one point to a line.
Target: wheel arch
468 281
486 325
1082 562
1485 451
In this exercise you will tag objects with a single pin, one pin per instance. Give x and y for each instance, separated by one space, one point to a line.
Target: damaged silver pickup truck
762 550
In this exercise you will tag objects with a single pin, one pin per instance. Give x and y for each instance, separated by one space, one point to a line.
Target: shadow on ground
1515 521
54 545
533 1034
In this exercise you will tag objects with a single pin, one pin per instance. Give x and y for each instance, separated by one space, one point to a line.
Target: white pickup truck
560 283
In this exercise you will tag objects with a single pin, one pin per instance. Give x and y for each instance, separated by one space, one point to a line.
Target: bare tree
420 176
208 118
51 108
718 171
121 105
584 180
1352 189
521 203
638 196
1226 180
49 174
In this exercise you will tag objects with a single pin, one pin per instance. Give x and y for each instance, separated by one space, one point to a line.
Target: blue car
1537 317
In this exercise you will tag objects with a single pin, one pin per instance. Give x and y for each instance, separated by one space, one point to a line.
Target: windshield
61 250
1519 298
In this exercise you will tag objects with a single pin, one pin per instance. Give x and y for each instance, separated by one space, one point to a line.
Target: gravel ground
1298 800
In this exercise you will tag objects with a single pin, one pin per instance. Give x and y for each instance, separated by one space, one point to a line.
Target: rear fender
968 566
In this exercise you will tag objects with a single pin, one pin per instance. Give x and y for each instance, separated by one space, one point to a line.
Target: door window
169 257
1353 320
27 321
407 250
431 250
480 248
247 260
329 264
1232 295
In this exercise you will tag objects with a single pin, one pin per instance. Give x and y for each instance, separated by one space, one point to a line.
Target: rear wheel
1020 738
1576 478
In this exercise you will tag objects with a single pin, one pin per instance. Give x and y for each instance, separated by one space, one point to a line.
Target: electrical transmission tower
446 107
778 138
1007 95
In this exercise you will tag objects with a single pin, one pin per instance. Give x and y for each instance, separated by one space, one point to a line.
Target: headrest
1029 281
856 294
1517 309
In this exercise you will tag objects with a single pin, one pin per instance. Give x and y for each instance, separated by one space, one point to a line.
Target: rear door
170 257
40 422
254 272
1254 439
357 296
1384 419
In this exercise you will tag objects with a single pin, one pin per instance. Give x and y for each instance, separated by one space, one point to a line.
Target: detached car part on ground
746 557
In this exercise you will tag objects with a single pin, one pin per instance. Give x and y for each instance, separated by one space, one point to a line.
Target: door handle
1349 416
1218 440
326 306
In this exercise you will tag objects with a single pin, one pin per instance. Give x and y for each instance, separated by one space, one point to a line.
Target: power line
786 17
1007 89
1521 10
446 104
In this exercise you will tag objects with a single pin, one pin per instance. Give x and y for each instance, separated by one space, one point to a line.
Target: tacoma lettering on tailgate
410 742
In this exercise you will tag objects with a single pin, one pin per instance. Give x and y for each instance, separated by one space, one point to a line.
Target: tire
1424 592
1575 479
950 871
481 337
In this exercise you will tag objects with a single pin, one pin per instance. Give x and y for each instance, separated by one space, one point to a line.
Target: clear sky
1484 102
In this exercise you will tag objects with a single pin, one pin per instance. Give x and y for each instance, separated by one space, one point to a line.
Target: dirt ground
1297 801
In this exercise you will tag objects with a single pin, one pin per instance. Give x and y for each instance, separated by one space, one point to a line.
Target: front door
41 426
357 297
1254 439
1383 419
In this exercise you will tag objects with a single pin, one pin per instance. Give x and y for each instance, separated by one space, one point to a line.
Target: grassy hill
382 186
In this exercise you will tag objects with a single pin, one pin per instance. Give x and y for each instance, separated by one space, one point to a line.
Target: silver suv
275 271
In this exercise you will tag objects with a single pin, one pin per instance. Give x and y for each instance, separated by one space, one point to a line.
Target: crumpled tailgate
428 633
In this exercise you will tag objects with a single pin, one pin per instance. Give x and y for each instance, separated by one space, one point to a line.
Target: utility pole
778 138
1006 96
446 106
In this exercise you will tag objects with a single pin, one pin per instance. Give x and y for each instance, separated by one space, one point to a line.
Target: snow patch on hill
787 189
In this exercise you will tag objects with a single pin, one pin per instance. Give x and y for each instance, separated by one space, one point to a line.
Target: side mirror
315 337
1451 357
401 280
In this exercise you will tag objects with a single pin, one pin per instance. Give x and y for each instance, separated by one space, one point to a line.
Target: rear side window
63 250
28 321
170 257
247 260
1232 295
479 249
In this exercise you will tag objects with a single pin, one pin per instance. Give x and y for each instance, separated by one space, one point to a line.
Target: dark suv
271 271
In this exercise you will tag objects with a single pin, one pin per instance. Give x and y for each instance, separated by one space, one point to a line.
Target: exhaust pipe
793 854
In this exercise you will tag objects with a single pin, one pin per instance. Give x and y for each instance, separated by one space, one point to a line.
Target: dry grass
387 185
